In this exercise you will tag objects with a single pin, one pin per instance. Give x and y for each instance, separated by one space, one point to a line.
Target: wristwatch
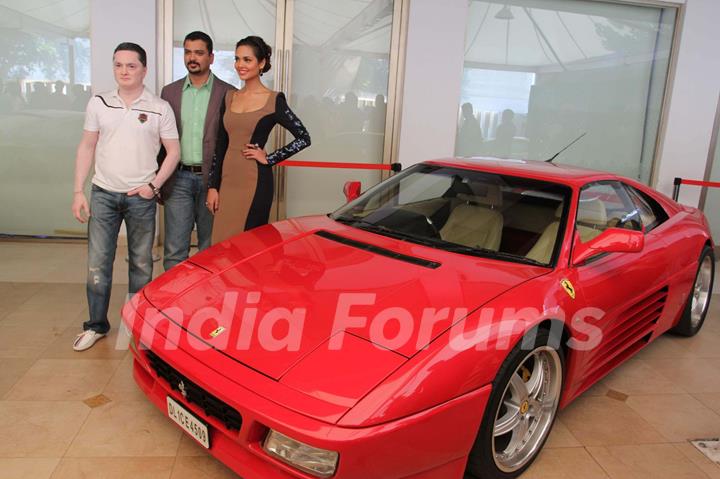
155 190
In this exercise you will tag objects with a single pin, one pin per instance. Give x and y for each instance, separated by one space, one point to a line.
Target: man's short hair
133 47
198 35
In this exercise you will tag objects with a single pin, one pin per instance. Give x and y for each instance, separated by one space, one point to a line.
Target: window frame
658 211
653 171
616 185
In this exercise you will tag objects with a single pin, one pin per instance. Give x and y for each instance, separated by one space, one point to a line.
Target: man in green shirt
196 100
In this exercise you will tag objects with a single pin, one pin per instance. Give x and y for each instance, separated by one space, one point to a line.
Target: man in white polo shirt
122 134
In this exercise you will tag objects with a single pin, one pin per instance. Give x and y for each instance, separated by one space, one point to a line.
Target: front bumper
431 444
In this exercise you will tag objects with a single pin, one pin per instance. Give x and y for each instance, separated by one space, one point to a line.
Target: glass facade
537 74
711 204
339 87
44 89
540 73
337 73
226 22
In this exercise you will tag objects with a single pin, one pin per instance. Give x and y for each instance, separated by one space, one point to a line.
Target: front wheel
696 308
521 410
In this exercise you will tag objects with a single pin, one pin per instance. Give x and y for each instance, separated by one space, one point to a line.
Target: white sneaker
86 339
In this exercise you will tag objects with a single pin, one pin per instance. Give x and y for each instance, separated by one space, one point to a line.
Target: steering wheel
410 222
436 231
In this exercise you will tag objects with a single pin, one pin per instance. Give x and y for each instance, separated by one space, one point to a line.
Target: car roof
554 172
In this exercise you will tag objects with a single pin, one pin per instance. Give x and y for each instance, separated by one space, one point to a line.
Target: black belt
192 168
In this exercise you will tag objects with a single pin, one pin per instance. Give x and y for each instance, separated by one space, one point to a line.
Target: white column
433 78
113 22
693 102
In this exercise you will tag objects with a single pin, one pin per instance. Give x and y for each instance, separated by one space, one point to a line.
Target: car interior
520 221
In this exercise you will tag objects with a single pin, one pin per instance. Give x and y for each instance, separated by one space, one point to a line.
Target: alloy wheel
527 410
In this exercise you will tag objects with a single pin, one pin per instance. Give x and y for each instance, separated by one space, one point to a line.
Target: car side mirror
612 240
351 190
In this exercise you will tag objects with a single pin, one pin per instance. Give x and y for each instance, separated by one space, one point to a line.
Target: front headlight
318 462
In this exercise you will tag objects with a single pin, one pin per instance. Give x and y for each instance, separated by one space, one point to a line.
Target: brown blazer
172 93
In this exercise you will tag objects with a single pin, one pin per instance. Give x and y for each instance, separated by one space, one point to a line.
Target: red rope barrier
330 164
681 181
713 184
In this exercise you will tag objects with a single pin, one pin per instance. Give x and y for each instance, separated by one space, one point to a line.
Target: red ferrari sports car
430 328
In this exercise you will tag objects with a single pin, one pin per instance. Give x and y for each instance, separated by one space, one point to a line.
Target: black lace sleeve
288 119
221 146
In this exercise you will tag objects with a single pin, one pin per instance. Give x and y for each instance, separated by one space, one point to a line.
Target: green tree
24 52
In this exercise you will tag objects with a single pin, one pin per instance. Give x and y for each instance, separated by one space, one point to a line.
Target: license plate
197 429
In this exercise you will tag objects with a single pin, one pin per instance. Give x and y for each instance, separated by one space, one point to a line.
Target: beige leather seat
591 219
542 250
475 222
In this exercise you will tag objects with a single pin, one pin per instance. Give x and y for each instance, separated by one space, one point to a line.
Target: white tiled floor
70 415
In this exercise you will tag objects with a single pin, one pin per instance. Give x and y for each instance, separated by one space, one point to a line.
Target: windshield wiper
437 243
483 252
385 231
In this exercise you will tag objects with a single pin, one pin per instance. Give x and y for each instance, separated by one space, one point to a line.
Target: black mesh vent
195 394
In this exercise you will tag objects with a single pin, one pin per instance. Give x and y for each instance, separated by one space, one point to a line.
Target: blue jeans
108 210
184 208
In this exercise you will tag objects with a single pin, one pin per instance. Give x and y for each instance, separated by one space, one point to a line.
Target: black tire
482 462
686 326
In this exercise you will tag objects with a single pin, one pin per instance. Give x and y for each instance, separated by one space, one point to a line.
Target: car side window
651 213
605 205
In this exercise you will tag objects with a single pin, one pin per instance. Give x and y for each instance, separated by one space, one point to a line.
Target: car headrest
592 211
559 210
483 194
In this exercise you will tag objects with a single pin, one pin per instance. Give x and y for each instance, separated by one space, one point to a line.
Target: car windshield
465 211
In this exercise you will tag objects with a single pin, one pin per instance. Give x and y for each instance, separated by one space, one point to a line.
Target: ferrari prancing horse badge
217 332
568 287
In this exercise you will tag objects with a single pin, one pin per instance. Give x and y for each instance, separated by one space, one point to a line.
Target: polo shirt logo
142 117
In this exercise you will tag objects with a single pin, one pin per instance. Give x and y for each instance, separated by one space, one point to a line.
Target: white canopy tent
557 35
69 18
340 25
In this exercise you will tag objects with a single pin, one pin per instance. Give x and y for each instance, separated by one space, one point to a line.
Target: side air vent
627 334
378 250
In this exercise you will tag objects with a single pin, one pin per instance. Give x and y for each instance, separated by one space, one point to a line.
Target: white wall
434 60
693 102
113 22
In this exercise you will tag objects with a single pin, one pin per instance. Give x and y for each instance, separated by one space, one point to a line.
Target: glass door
340 59
226 22
336 61
44 89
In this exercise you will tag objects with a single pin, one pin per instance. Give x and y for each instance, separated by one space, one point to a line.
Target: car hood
311 295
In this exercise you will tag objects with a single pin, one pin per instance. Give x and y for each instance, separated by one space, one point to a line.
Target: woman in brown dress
240 183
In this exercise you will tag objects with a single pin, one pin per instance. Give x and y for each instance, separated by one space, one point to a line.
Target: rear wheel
521 410
698 302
